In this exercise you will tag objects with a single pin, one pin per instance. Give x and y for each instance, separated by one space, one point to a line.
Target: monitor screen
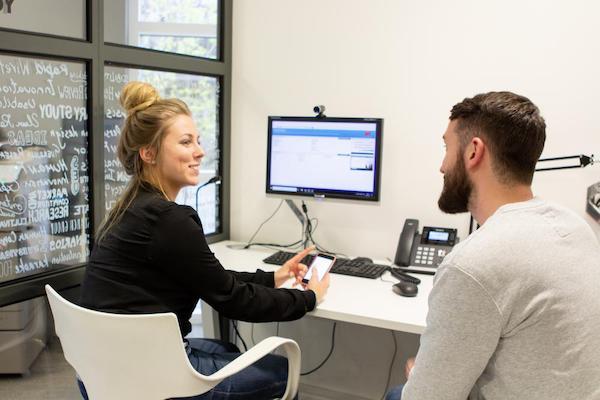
324 157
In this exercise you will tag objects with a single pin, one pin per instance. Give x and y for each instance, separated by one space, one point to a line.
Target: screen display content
321 264
324 157
438 236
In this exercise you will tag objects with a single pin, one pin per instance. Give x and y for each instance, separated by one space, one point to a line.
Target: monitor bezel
329 193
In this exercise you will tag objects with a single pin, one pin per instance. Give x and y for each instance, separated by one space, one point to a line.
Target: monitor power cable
309 233
252 334
328 355
237 333
387 383
263 223
251 243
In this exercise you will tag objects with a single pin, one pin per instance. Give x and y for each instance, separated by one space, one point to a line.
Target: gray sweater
515 312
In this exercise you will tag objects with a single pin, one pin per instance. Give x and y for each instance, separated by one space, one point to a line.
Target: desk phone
426 249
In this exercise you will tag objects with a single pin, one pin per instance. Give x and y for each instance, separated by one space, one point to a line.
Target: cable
261 225
328 355
273 244
310 231
237 333
288 246
385 280
391 365
403 276
473 225
252 335
317 224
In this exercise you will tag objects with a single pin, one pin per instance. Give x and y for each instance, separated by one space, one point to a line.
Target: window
178 26
201 94
44 196
59 121
56 17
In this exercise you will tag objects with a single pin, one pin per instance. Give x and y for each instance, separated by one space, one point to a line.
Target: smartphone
321 263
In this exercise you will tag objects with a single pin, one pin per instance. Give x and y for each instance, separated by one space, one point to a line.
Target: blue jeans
265 379
395 393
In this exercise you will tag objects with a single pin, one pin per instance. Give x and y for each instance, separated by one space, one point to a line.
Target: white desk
363 301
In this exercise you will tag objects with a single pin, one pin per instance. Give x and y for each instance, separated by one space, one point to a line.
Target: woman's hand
319 286
293 269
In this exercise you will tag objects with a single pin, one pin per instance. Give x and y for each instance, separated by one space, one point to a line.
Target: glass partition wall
62 66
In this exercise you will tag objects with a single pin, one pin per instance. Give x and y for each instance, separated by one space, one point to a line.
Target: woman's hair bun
137 96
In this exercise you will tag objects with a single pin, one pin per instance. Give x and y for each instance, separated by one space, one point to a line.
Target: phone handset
405 244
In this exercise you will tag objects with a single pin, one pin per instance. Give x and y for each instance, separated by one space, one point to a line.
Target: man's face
457 185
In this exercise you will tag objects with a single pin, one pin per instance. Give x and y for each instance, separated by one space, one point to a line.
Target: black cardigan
156 259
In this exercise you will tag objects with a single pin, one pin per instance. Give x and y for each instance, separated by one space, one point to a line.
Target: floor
50 377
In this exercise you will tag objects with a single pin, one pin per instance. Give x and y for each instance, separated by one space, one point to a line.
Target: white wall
407 62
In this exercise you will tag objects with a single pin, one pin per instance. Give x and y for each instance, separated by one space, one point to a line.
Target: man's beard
457 190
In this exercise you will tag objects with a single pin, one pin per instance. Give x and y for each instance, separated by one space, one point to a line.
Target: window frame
97 54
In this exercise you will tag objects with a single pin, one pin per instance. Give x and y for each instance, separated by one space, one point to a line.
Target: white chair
125 356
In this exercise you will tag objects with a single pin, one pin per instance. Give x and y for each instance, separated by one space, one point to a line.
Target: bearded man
514 312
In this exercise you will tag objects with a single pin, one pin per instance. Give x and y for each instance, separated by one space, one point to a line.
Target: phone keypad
426 254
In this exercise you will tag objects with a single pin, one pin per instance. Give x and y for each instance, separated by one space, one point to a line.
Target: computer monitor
324 157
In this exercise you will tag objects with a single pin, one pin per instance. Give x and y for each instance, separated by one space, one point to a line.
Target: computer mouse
365 260
406 289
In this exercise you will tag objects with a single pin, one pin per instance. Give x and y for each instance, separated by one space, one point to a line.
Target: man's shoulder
523 240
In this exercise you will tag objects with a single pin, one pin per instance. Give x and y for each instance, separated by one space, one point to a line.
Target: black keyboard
281 257
342 266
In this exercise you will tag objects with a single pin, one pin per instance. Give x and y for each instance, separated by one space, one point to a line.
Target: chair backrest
121 356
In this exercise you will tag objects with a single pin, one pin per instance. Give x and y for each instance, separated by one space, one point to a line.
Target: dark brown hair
511 127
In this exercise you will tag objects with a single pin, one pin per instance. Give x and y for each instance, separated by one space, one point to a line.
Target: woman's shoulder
156 205
150 201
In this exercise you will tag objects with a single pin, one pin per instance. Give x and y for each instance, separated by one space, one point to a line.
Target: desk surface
369 302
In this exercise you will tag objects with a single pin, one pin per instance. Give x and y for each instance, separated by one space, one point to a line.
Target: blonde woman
151 255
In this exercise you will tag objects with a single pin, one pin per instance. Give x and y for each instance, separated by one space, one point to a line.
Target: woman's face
180 155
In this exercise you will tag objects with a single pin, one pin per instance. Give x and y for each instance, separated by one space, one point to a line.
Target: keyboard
281 257
342 266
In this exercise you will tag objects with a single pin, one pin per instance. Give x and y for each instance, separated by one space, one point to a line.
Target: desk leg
224 328
214 324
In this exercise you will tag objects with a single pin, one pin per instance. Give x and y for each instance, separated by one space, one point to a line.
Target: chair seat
142 356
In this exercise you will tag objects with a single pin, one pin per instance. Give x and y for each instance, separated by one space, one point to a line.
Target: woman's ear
147 155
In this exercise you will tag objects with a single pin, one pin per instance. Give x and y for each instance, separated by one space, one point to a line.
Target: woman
151 255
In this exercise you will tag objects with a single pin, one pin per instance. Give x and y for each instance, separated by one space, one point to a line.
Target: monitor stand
301 218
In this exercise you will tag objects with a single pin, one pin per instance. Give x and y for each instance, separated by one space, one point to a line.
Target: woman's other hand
293 269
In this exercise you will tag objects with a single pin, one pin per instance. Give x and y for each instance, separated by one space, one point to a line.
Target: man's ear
474 153
147 155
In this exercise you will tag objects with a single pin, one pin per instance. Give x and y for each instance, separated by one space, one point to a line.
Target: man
515 309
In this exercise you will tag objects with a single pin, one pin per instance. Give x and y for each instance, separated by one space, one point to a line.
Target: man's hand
293 269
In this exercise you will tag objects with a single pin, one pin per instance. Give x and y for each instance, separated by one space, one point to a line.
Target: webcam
319 110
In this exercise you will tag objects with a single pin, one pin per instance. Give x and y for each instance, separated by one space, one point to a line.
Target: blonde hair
148 118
